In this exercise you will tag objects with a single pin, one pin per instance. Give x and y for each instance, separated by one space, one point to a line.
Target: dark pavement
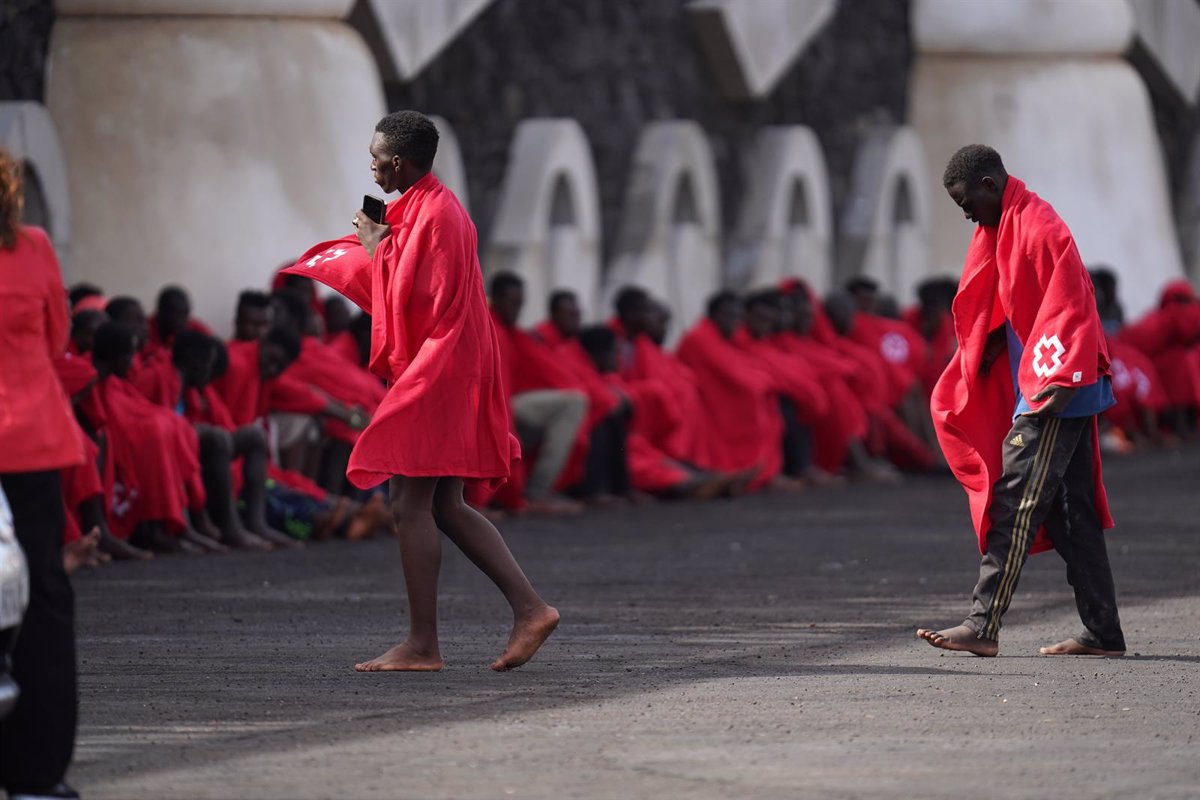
753 648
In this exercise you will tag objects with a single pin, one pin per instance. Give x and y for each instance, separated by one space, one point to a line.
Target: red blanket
741 407
445 412
1028 271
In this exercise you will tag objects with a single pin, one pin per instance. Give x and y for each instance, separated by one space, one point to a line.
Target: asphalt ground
762 647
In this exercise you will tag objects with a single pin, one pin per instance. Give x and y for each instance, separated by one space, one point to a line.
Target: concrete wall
1007 73
264 153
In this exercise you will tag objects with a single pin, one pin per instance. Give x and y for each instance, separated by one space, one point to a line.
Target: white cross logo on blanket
1047 345
327 255
894 347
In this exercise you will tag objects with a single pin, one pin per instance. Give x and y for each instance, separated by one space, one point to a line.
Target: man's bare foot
242 539
960 638
1073 647
121 550
404 657
81 552
528 634
786 485
275 538
203 541
815 476
740 482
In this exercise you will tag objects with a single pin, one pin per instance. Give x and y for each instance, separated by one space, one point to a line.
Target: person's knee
575 405
409 511
447 510
215 442
250 439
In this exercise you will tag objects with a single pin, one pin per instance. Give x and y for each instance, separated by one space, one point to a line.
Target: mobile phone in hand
374 208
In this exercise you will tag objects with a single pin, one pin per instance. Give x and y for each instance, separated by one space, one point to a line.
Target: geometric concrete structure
547 227
885 224
408 34
749 44
207 150
448 163
1046 84
670 237
28 133
785 224
1170 31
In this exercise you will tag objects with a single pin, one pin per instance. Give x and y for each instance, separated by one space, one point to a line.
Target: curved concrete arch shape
670 238
448 164
885 224
28 133
785 227
547 228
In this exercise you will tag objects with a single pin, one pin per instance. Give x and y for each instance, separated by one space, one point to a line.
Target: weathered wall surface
618 65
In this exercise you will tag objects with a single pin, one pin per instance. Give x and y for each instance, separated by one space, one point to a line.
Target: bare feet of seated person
529 632
404 657
960 638
1074 647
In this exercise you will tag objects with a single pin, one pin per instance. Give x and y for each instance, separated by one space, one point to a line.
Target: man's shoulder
1041 222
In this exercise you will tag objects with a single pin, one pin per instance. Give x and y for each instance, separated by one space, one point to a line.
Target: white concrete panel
670 237
785 224
28 133
207 151
1022 26
749 44
885 225
448 163
327 9
547 228
1079 132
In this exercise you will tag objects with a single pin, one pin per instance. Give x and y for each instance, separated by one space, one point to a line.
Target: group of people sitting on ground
1155 366
198 445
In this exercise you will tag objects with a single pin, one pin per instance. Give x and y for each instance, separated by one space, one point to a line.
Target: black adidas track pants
1048 479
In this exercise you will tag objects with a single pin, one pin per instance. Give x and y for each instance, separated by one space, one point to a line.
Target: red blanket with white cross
1026 270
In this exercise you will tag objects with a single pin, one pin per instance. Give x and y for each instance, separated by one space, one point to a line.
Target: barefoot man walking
445 416
1015 410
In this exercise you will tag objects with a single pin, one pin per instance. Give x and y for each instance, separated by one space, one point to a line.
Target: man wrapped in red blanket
1022 440
444 418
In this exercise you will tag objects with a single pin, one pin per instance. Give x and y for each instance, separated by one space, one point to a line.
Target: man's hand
370 233
1056 397
996 343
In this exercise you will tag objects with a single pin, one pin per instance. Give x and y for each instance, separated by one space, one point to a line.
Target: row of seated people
1155 366
200 445
190 437
775 390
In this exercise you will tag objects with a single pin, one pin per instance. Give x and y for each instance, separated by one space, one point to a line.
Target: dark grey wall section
615 65
24 36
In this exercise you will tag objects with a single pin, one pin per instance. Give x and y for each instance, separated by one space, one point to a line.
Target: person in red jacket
445 417
1016 409
38 437
1170 337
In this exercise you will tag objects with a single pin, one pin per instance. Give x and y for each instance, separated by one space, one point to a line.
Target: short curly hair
410 135
972 163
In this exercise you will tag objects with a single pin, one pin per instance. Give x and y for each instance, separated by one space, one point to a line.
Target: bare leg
533 619
250 443
421 557
216 457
